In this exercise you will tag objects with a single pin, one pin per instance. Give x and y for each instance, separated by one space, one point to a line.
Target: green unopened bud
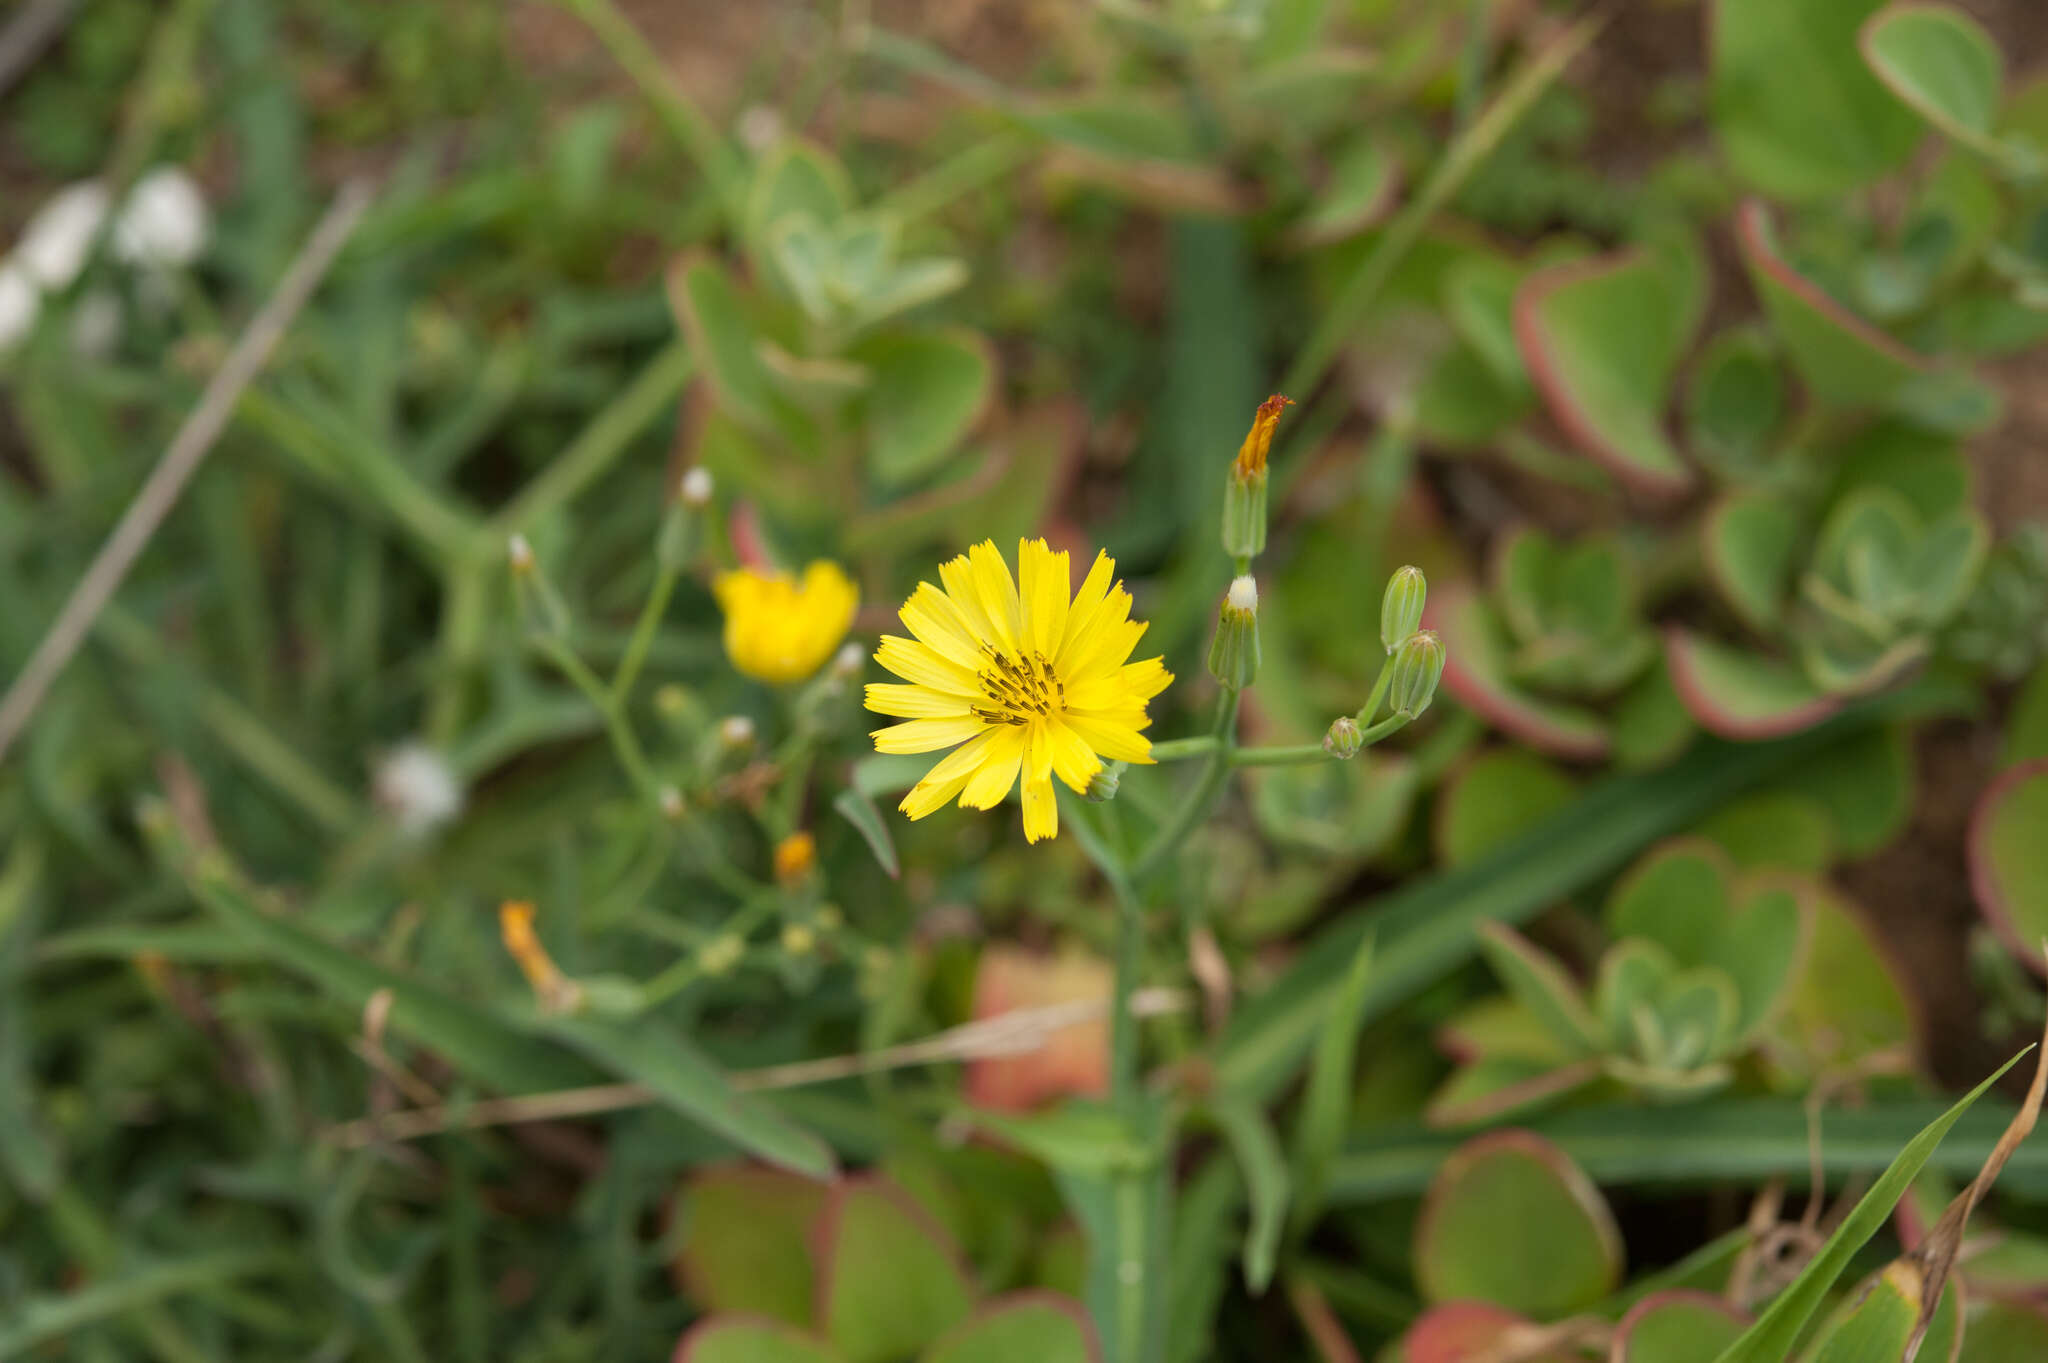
1244 514
1401 607
540 605
1418 666
1234 653
1103 785
1344 738
720 954
799 939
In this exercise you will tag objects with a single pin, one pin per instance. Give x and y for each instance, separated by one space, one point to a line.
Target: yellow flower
795 855
781 631
1026 683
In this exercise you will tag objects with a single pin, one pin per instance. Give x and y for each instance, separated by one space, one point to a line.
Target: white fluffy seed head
164 222
53 246
20 301
696 487
418 787
1244 594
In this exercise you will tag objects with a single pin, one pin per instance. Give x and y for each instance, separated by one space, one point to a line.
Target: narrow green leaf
1772 1338
857 809
59 1316
1265 1173
1326 1104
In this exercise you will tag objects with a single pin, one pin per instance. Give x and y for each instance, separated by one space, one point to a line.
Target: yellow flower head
781 631
1023 679
1251 456
795 855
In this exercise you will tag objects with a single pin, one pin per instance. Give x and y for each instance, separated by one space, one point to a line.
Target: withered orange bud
1251 456
795 855
555 991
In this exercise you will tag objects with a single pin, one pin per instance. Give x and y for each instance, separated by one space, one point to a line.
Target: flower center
1018 690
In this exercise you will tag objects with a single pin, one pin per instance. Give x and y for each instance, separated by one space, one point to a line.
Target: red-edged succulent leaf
1843 358
1466 1331
745 1241
1678 1326
748 1339
2008 847
1739 695
890 1280
1750 541
1022 1327
1475 672
1510 1219
1600 344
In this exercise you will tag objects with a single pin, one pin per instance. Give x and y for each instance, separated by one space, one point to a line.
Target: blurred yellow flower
778 630
1025 682
795 855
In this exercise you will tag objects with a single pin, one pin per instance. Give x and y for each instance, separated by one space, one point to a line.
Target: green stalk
643 634
1196 806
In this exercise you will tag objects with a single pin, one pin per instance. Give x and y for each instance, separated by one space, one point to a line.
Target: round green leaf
1773 829
1739 695
1796 110
1599 341
927 390
1651 724
2008 843
1023 1327
1847 1001
1751 541
1475 673
723 1339
1510 1220
745 1242
1735 400
890 1281
1491 798
1941 63
1865 783
1678 1326
1843 359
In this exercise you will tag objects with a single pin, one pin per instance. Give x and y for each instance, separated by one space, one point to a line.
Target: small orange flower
1251 456
557 992
795 855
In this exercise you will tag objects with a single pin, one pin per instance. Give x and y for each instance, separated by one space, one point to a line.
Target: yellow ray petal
957 573
997 771
1072 761
997 592
936 621
914 702
927 735
1043 579
916 662
1041 811
1111 739
946 777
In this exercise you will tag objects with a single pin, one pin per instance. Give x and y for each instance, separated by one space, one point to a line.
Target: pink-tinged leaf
745 1339
1470 1331
1677 1326
1598 339
2008 848
1844 359
1073 1061
890 1279
1475 673
1749 541
1738 695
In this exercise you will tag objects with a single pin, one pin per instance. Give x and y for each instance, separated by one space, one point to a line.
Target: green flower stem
1179 749
1124 1084
624 742
643 634
1291 755
1175 831
1379 693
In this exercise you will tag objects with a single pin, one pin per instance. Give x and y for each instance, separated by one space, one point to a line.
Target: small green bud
1244 514
540 604
720 954
1234 653
1401 607
1344 738
799 939
1103 785
1418 666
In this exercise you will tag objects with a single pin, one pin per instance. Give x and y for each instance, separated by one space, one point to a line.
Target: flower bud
1234 653
540 604
694 491
1344 738
671 802
1401 607
1103 785
720 954
736 731
1418 666
799 939
1244 491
